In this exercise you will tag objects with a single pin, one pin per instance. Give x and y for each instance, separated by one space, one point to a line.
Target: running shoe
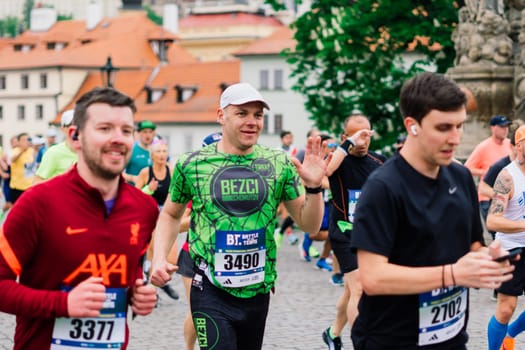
170 291
278 237
292 239
314 253
333 344
508 344
337 279
323 265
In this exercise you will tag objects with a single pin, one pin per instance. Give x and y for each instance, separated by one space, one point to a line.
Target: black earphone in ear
74 137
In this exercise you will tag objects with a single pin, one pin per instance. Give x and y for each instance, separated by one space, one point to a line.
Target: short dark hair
427 91
285 132
105 95
22 134
325 137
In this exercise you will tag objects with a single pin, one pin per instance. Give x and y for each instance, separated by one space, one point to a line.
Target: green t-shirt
56 160
140 159
234 205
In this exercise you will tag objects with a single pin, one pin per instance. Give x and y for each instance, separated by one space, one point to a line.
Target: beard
99 170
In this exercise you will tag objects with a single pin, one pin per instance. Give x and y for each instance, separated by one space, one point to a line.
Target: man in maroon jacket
75 242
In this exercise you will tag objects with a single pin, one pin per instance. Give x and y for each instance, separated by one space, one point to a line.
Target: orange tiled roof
226 19
202 106
130 82
176 54
279 40
111 37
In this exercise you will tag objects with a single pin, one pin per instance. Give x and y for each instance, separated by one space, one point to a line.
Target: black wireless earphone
74 137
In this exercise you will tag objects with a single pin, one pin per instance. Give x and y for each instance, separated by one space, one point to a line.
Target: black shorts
225 322
516 286
185 264
346 258
14 194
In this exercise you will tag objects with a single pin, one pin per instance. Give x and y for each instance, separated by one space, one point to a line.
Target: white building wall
75 8
286 101
183 138
51 98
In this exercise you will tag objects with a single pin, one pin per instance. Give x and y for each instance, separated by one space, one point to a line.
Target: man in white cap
59 158
235 186
51 135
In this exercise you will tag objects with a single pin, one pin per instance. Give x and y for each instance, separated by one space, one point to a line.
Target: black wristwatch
347 145
313 190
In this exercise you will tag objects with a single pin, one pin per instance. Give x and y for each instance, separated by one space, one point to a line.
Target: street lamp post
108 73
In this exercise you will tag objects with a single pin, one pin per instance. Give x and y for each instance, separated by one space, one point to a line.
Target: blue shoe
337 279
323 265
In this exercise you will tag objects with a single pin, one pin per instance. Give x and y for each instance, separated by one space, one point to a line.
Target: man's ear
220 116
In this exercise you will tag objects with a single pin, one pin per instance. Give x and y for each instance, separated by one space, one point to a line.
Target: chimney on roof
42 19
170 21
93 15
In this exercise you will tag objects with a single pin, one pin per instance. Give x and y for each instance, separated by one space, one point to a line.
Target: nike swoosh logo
75 231
452 190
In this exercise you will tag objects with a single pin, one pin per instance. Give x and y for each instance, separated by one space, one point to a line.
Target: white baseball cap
239 94
67 117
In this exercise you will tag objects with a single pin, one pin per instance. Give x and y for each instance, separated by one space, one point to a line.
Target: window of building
21 115
1 112
278 79
278 123
43 81
39 112
264 79
24 81
265 127
3 84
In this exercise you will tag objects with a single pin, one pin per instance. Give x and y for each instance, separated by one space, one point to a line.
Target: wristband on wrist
313 190
347 145
147 190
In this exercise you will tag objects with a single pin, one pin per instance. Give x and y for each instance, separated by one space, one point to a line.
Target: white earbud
413 129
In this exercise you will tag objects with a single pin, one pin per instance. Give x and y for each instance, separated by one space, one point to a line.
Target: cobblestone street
302 307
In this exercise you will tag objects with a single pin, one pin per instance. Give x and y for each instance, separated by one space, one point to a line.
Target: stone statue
476 7
485 41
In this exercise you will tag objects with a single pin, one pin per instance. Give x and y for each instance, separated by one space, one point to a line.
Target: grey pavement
301 308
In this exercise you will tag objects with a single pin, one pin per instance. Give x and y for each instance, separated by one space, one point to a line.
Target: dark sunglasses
331 145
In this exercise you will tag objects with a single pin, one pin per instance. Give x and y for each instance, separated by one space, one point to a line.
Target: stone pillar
493 88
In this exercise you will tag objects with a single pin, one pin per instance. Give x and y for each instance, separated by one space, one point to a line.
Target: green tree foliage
349 56
64 17
28 6
152 15
9 27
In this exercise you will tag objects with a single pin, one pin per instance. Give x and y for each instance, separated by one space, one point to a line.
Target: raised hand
313 168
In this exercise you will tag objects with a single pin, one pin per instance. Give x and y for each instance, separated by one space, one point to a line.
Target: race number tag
240 257
107 331
442 314
353 196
